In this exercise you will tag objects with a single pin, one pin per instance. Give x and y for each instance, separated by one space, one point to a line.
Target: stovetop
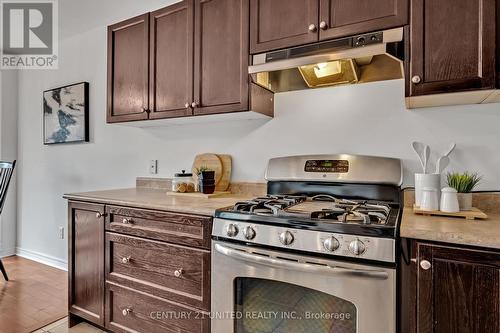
340 205
321 212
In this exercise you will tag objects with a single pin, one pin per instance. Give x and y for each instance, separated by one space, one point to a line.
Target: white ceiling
78 16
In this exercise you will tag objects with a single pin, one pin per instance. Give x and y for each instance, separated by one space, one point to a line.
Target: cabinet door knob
426 265
126 312
99 215
312 27
179 272
416 79
144 110
187 105
127 221
126 260
194 105
323 25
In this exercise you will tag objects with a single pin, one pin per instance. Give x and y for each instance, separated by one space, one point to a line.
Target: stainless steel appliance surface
370 57
317 254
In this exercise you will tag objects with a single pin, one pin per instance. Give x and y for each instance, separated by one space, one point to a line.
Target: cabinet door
221 56
128 66
340 18
276 24
86 261
458 290
171 56
452 46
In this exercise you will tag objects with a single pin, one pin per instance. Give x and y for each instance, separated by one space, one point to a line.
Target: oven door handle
298 266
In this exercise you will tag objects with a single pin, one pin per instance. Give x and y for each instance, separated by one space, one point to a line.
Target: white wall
364 119
8 152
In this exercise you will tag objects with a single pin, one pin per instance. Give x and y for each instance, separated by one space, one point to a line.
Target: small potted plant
464 183
206 180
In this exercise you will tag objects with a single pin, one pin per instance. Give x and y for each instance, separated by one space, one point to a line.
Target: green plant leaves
463 182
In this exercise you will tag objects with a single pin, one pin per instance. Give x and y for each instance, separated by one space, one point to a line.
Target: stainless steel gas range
316 255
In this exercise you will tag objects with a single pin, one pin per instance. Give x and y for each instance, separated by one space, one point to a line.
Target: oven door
256 290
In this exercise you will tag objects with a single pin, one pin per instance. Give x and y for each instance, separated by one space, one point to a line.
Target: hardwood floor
61 326
34 296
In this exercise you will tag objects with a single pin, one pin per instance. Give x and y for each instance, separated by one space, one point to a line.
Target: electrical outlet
61 232
153 167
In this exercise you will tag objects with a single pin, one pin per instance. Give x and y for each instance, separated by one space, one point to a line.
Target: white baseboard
42 258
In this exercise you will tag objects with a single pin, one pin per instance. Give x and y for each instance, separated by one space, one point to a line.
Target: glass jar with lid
183 182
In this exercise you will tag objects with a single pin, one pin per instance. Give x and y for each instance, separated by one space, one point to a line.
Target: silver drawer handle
178 272
126 260
127 221
126 312
99 215
425 265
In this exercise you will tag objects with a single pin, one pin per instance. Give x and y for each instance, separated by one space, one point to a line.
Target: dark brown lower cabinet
177 273
448 289
86 261
130 311
139 270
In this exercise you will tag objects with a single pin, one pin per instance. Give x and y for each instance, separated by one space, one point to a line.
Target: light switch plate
153 167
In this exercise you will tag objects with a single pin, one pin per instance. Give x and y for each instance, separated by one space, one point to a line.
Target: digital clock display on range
332 166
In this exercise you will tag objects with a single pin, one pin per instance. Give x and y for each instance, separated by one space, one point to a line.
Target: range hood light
325 69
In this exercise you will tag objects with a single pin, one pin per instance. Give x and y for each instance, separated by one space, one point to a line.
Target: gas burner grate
335 209
269 205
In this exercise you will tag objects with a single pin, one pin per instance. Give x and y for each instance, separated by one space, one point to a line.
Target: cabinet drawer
177 273
176 228
131 311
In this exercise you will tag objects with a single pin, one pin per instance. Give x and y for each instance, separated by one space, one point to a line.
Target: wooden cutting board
211 161
468 214
223 184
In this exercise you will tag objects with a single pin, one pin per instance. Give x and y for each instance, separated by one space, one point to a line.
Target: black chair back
6 171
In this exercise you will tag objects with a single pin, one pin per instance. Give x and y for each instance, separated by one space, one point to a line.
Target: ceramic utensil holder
426 180
430 199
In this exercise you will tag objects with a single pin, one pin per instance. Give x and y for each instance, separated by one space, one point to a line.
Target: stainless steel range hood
363 58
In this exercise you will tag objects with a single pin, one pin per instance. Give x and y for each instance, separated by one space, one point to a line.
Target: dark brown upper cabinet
339 18
452 46
128 65
276 24
188 59
457 290
221 56
86 261
171 59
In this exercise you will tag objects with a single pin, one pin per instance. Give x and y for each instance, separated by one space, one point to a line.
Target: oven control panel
345 245
328 166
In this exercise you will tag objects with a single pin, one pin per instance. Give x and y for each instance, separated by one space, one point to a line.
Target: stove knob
286 238
357 247
249 233
331 244
232 230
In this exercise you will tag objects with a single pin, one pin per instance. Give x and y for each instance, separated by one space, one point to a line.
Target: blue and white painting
65 114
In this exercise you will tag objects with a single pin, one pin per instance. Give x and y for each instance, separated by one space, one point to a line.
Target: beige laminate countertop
157 199
481 233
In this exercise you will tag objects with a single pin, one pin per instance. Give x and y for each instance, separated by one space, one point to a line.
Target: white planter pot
465 201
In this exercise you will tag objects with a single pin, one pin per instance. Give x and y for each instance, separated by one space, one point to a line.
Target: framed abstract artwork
66 114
